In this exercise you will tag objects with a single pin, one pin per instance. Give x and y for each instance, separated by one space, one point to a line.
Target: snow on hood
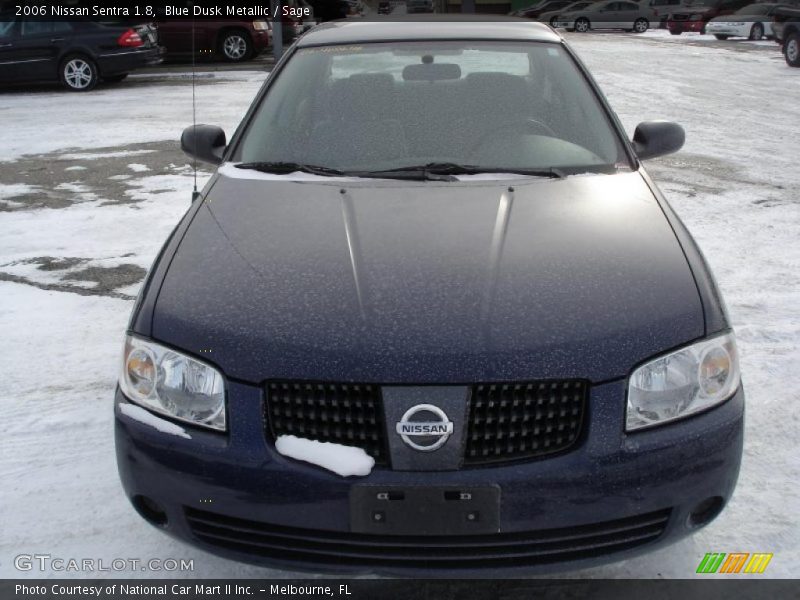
342 460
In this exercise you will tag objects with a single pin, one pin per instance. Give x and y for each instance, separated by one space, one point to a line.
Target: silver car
606 15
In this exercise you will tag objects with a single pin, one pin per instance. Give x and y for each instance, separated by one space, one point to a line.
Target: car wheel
553 22
582 25
756 31
641 25
78 73
236 46
115 78
719 36
791 50
674 32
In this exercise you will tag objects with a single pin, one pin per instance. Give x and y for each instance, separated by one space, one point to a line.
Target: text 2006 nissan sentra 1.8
430 316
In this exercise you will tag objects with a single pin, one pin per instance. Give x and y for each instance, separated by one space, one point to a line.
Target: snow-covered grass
735 185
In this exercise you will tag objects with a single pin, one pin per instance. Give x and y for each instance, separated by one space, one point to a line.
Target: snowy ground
90 186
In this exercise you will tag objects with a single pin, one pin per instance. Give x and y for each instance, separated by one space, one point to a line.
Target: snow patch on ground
137 413
342 460
12 190
138 167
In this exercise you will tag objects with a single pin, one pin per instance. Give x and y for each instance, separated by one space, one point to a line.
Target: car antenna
195 193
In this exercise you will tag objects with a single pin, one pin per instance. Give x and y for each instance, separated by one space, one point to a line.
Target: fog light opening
150 510
706 511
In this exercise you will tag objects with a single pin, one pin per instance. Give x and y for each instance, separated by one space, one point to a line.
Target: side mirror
657 138
204 142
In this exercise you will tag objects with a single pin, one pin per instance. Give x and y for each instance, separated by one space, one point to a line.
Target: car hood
429 282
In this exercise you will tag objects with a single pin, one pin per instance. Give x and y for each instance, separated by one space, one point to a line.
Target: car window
36 27
628 6
6 27
389 105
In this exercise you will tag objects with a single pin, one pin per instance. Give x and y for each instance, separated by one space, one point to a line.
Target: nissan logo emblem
431 427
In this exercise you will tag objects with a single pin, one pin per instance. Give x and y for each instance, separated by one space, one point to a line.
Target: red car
694 15
231 39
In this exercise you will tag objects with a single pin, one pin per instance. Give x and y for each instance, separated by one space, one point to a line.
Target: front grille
528 548
342 413
507 421
524 420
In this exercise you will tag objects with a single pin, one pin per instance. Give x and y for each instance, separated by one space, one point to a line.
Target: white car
753 22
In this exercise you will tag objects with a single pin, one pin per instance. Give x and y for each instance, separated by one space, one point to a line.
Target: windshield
490 105
753 9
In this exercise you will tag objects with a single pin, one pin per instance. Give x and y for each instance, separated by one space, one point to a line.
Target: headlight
260 25
173 384
683 382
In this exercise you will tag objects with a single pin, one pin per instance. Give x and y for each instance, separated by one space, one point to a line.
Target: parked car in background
231 39
660 10
695 14
78 53
753 22
535 12
606 15
551 17
786 29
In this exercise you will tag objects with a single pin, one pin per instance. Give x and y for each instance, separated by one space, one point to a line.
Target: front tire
236 46
720 36
641 25
674 32
553 22
582 25
791 50
78 73
756 32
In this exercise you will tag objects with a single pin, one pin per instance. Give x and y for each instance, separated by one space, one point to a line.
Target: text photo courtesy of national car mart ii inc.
176 589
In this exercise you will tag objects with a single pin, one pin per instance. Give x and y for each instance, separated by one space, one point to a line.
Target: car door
8 34
608 17
36 49
627 15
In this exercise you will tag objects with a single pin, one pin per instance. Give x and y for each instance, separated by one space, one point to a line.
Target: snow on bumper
213 482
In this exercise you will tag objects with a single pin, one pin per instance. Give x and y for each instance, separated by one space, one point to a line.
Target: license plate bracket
425 510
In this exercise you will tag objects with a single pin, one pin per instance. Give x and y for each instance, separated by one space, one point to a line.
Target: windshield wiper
447 171
284 168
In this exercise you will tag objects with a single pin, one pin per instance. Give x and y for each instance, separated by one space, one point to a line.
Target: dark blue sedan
430 316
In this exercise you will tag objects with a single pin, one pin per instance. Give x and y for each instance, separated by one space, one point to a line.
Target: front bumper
713 29
613 496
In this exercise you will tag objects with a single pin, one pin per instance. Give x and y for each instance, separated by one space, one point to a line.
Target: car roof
429 27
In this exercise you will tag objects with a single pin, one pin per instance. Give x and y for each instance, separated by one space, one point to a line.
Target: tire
641 25
78 73
553 22
756 32
115 78
791 49
720 36
674 32
235 45
582 25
